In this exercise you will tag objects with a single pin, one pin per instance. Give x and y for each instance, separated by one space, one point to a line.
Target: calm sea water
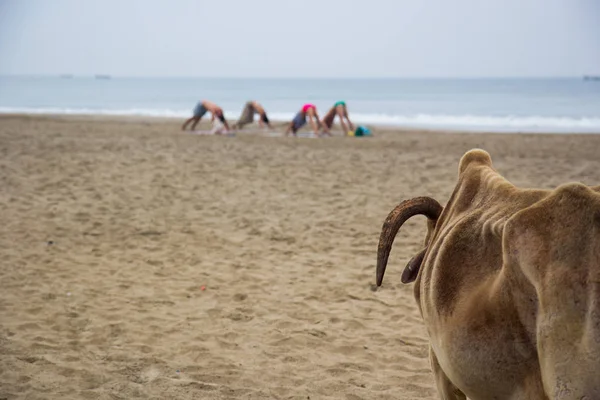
505 105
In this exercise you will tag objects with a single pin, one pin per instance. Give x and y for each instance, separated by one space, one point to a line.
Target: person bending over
200 110
310 111
253 107
339 109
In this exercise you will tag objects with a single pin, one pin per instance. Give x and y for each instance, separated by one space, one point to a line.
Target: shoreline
280 124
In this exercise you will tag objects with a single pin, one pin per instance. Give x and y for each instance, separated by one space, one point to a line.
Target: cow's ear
412 268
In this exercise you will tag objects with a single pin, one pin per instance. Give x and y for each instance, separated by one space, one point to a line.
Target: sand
138 261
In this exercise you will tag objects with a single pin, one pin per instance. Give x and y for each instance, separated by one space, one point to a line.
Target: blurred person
201 109
253 107
339 109
310 111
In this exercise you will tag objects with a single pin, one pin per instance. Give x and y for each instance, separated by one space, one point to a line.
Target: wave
431 121
483 122
142 112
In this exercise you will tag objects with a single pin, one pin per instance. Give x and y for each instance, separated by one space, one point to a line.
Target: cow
508 286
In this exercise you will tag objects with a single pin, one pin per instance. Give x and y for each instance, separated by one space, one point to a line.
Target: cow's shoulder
558 236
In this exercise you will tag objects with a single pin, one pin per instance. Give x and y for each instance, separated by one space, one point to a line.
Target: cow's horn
403 211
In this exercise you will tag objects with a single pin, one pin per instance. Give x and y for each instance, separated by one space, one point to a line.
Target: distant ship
102 76
591 77
66 76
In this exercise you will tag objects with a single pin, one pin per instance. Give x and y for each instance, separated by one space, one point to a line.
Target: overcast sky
301 38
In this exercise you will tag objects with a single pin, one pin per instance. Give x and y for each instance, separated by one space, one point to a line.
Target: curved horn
403 211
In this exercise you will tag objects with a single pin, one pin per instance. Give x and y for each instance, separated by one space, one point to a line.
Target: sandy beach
139 261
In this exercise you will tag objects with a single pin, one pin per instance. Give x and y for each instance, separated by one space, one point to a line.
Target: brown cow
508 286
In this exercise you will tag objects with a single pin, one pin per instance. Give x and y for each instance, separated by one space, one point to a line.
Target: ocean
497 105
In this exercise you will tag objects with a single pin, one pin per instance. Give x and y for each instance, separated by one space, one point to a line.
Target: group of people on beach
308 113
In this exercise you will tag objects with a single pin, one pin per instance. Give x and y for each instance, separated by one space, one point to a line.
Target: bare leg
325 129
196 120
290 128
329 118
187 121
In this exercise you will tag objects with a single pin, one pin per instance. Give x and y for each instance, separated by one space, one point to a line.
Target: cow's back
474 328
555 246
509 288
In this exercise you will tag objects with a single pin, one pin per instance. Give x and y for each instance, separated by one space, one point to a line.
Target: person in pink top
310 111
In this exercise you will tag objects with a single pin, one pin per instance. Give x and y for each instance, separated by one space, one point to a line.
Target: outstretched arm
348 119
314 121
322 125
265 120
341 114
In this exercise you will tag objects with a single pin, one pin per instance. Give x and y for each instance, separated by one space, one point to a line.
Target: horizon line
67 75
